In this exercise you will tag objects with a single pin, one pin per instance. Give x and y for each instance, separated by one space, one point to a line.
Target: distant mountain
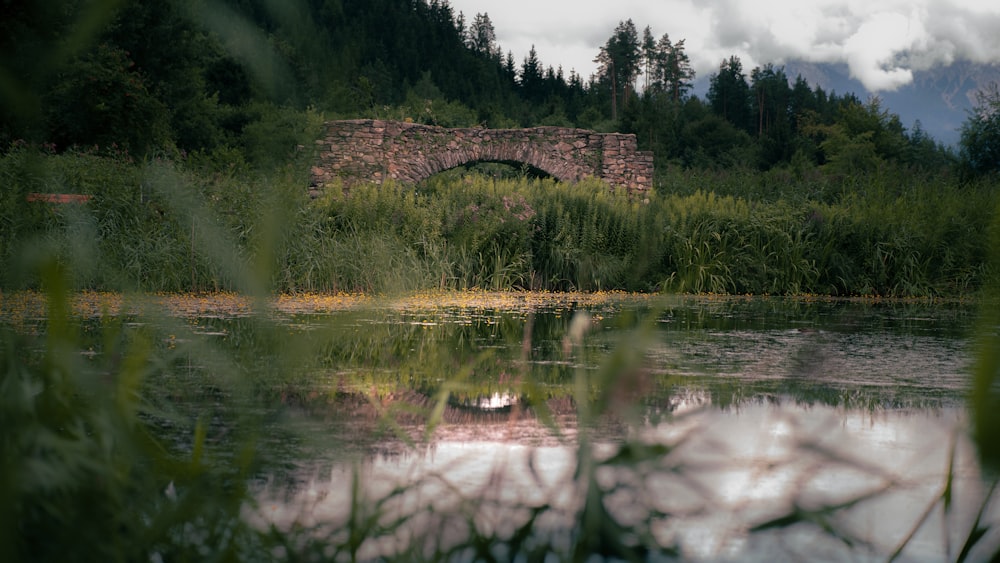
939 98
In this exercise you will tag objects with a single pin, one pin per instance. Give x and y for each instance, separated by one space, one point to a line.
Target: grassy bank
202 225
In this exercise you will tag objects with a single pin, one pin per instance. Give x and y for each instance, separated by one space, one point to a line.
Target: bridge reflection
720 474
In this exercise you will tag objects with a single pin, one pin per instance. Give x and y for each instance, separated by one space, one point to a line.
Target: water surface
846 415
715 428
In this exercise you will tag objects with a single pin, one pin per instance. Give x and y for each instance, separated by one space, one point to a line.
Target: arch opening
493 169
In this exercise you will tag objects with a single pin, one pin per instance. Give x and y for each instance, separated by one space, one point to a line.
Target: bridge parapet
367 150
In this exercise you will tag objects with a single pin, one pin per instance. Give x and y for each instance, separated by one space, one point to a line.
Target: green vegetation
165 226
188 124
226 76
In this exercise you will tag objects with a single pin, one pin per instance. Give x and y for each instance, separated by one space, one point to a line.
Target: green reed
164 225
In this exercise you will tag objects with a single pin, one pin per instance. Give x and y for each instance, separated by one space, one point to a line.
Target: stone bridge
366 150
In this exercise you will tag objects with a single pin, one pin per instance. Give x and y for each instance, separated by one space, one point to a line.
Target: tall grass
84 476
193 226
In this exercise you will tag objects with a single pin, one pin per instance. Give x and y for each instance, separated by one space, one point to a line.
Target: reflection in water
727 472
764 429
496 401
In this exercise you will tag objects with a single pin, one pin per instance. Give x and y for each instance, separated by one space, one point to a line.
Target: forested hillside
247 75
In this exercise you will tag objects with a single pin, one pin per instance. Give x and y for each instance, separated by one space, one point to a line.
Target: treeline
244 76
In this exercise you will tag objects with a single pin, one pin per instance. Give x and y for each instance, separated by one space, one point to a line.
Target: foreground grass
125 444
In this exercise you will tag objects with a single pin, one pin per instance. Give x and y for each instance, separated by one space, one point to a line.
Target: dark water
846 414
729 429
716 428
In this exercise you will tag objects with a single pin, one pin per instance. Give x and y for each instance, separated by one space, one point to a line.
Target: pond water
726 429
712 428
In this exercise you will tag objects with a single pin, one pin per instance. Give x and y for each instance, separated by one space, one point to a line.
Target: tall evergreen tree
770 103
729 93
649 55
770 97
532 78
676 70
802 99
482 38
619 63
509 67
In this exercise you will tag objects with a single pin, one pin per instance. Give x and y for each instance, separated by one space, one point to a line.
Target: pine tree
619 63
980 134
482 37
676 72
649 55
532 78
729 93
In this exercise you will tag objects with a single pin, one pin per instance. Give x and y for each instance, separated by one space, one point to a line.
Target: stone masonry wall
368 150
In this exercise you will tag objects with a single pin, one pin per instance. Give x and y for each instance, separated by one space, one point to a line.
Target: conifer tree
531 76
675 68
650 55
619 63
980 134
482 37
729 93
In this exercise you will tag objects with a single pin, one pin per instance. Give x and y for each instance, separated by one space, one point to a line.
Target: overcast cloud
881 41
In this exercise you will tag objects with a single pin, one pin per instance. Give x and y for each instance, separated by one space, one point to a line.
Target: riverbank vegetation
162 225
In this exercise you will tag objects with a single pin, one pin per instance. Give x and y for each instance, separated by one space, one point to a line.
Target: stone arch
447 160
356 151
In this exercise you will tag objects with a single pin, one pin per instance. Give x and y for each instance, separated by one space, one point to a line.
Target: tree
979 143
713 141
674 68
509 67
650 55
771 98
802 100
532 79
885 129
102 100
849 155
924 153
729 93
482 38
619 62
606 72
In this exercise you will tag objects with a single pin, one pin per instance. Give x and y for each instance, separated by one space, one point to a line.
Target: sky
881 41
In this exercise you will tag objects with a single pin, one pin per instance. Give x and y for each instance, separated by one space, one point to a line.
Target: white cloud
872 51
881 41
